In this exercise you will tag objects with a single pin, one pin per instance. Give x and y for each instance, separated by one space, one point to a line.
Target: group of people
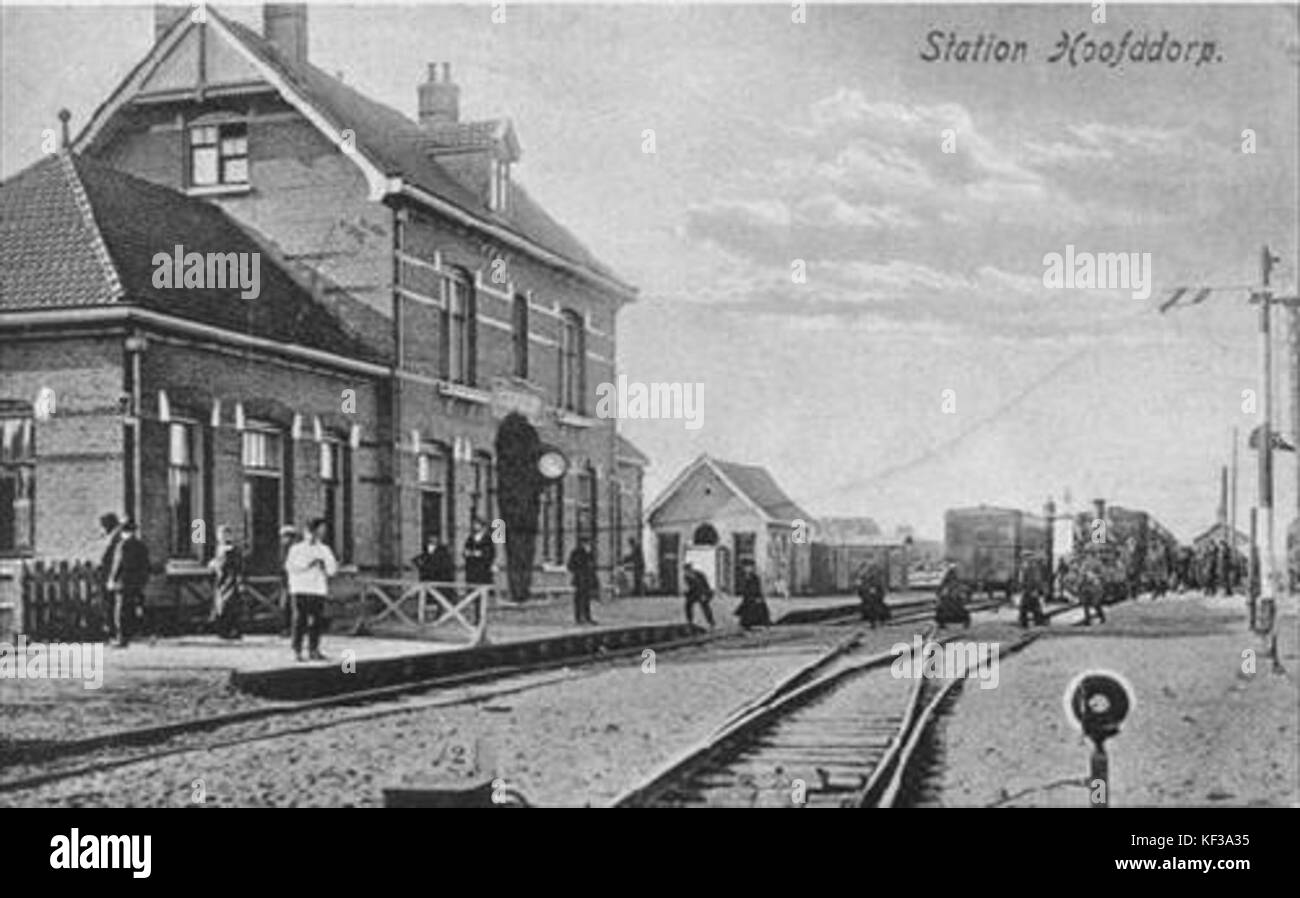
751 612
307 563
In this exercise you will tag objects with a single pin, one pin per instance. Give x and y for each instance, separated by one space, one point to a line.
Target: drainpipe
135 346
395 414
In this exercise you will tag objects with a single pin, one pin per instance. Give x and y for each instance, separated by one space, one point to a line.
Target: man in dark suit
127 580
582 567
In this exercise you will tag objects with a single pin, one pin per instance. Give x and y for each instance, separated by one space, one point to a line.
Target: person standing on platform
112 528
698 592
636 561
227 567
310 565
582 567
288 536
127 580
479 554
434 564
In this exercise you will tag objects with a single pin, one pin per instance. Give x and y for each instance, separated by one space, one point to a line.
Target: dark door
743 546
262 517
668 555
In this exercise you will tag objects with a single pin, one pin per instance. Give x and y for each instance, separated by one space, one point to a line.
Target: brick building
717 514
412 295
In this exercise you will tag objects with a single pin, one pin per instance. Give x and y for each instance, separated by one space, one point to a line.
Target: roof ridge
83 204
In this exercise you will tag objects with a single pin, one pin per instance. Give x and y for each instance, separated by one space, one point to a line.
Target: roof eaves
99 247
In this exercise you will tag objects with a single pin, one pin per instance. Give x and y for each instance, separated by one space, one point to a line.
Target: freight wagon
989 546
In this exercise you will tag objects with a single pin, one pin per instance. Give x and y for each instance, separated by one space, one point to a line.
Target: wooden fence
62 601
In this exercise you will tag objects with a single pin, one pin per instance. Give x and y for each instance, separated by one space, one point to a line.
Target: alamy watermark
53 661
662 400
1098 271
953 660
180 270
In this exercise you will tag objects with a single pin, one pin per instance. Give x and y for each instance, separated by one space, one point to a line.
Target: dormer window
499 188
219 154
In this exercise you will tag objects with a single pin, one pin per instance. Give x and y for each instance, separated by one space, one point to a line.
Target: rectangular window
483 500
330 475
585 512
460 328
573 354
183 490
17 483
219 154
263 450
521 336
437 511
551 517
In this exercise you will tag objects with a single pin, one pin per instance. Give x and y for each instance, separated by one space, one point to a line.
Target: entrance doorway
669 553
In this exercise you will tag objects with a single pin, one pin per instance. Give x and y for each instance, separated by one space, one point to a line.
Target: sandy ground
1203 732
183 678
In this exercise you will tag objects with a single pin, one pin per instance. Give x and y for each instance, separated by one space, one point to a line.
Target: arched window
705 535
521 335
459 328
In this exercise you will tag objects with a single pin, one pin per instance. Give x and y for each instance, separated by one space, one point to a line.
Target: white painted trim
545 341
127 314
420 298
434 266
599 358
510 237
496 322
460 391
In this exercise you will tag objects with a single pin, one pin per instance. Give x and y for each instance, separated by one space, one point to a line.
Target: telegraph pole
1268 561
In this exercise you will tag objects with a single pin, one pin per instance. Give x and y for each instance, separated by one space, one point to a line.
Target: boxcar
989 545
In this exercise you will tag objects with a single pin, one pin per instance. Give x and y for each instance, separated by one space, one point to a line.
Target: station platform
263 665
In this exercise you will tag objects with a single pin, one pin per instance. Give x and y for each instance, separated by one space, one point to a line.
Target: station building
411 296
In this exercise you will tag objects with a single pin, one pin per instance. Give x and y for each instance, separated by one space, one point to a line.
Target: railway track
841 733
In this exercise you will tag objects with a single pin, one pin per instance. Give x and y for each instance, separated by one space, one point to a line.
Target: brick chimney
285 26
165 15
439 97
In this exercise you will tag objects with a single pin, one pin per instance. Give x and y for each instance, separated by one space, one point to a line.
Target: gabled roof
74 232
751 483
388 144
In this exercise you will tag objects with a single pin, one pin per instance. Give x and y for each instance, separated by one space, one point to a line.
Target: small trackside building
716 514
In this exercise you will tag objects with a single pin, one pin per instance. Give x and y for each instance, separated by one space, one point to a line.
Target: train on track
1136 551
989 546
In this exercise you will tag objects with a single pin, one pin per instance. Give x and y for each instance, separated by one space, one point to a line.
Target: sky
823 142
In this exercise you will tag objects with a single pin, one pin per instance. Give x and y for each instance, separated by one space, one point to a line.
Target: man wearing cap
310 565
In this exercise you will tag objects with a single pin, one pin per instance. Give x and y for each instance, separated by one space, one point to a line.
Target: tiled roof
49 246
401 147
74 232
761 489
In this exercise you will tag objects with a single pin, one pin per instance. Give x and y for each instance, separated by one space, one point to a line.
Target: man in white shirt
309 565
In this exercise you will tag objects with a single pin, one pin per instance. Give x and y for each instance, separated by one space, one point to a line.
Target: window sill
548 568
573 419
219 190
184 567
469 394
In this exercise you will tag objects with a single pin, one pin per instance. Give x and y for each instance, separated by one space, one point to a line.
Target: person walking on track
698 592
752 611
310 565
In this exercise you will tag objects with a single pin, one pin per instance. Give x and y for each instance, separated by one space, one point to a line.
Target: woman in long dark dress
871 591
752 611
952 601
